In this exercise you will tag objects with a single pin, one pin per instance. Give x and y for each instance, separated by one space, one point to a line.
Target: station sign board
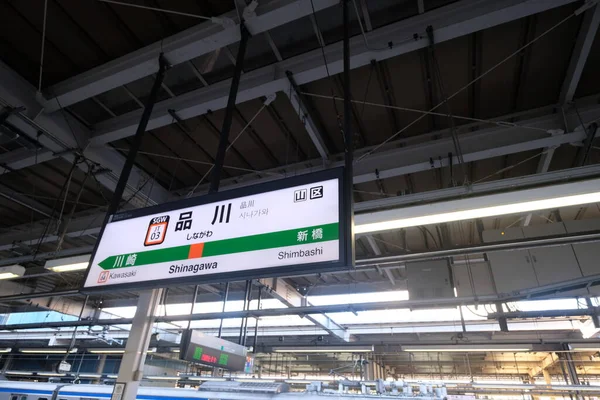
214 352
286 227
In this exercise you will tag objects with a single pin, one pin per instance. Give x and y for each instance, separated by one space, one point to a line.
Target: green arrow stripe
242 244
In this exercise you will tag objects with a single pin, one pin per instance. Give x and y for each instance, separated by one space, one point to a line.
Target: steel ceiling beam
32 235
476 145
289 296
453 21
25 201
548 178
581 51
53 303
300 107
66 137
322 309
23 158
375 247
418 157
543 166
194 42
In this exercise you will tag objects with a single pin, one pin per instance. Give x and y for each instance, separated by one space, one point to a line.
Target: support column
349 141
548 380
132 364
100 366
369 371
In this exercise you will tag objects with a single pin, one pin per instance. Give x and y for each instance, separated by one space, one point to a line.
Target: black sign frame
288 270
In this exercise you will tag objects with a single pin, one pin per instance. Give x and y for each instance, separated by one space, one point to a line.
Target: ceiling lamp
49 350
206 378
115 351
517 386
12 271
584 346
6 350
162 378
467 348
324 349
517 202
68 264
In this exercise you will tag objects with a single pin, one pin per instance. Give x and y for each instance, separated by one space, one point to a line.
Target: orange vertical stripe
196 250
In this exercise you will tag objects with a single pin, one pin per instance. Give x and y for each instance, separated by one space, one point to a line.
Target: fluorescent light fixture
6 350
584 346
467 348
163 378
583 388
206 378
90 375
11 271
116 351
518 386
437 381
111 376
256 380
50 374
18 373
522 201
324 349
48 350
75 263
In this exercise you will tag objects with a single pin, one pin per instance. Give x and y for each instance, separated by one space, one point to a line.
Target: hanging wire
73 208
43 45
508 168
226 150
331 83
51 219
362 112
164 10
504 124
152 184
200 162
490 70
453 131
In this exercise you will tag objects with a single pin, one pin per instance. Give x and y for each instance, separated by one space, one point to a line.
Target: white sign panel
235 237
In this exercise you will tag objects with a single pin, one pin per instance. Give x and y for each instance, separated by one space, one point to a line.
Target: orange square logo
157 230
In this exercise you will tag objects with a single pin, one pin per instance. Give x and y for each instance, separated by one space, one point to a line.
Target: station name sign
285 227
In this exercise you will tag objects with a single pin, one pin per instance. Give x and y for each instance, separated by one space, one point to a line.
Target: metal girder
581 51
187 45
25 201
476 145
480 188
289 296
377 251
322 309
66 137
90 224
455 20
542 167
32 235
23 158
59 304
305 117
546 363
